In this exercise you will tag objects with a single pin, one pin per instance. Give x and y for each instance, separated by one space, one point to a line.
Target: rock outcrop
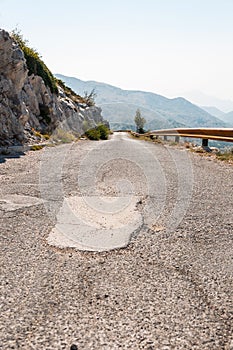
27 104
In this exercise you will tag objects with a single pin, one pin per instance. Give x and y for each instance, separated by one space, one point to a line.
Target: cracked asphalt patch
96 223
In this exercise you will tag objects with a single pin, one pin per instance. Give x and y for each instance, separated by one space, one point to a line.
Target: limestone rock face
27 104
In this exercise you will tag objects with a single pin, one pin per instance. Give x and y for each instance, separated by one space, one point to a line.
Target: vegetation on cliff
88 98
38 67
37 106
34 62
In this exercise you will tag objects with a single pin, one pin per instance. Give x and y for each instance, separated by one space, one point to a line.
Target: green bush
104 131
101 132
93 134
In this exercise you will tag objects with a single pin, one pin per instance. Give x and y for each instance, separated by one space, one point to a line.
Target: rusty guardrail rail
219 134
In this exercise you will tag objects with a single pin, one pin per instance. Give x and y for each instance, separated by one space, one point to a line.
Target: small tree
139 121
90 97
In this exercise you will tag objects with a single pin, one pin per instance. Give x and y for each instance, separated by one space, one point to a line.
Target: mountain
119 107
31 100
228 118
225 117
201 99
213 111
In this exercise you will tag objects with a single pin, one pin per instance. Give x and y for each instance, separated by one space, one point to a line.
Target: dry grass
225 156
62 136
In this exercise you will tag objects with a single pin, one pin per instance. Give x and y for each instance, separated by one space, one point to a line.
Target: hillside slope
228 118
213 111
225 117
119 107
27 103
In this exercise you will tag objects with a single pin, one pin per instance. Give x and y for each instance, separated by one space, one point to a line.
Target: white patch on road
96 223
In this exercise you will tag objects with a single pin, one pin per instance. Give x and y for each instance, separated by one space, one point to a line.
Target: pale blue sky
165 46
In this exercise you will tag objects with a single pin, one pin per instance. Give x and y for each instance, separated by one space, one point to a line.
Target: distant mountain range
226 117
213 111
119 107
201 99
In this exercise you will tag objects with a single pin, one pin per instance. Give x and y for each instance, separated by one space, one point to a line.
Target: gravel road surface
168 287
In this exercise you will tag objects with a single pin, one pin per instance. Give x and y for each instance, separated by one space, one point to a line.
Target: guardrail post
205 142
165 138
177 139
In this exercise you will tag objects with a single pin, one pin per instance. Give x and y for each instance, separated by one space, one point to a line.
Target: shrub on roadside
101 132
104 131
93 134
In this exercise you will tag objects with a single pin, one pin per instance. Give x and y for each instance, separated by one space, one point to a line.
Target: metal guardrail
223 134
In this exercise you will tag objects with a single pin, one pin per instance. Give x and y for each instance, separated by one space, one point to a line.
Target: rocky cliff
28 105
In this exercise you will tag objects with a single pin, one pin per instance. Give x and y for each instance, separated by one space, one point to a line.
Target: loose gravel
170 288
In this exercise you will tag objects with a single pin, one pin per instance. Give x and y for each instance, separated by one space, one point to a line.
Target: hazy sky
164 46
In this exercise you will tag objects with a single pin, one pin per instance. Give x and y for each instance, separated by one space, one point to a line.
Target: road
119 244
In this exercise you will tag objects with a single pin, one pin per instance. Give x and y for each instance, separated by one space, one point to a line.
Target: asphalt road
169 286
